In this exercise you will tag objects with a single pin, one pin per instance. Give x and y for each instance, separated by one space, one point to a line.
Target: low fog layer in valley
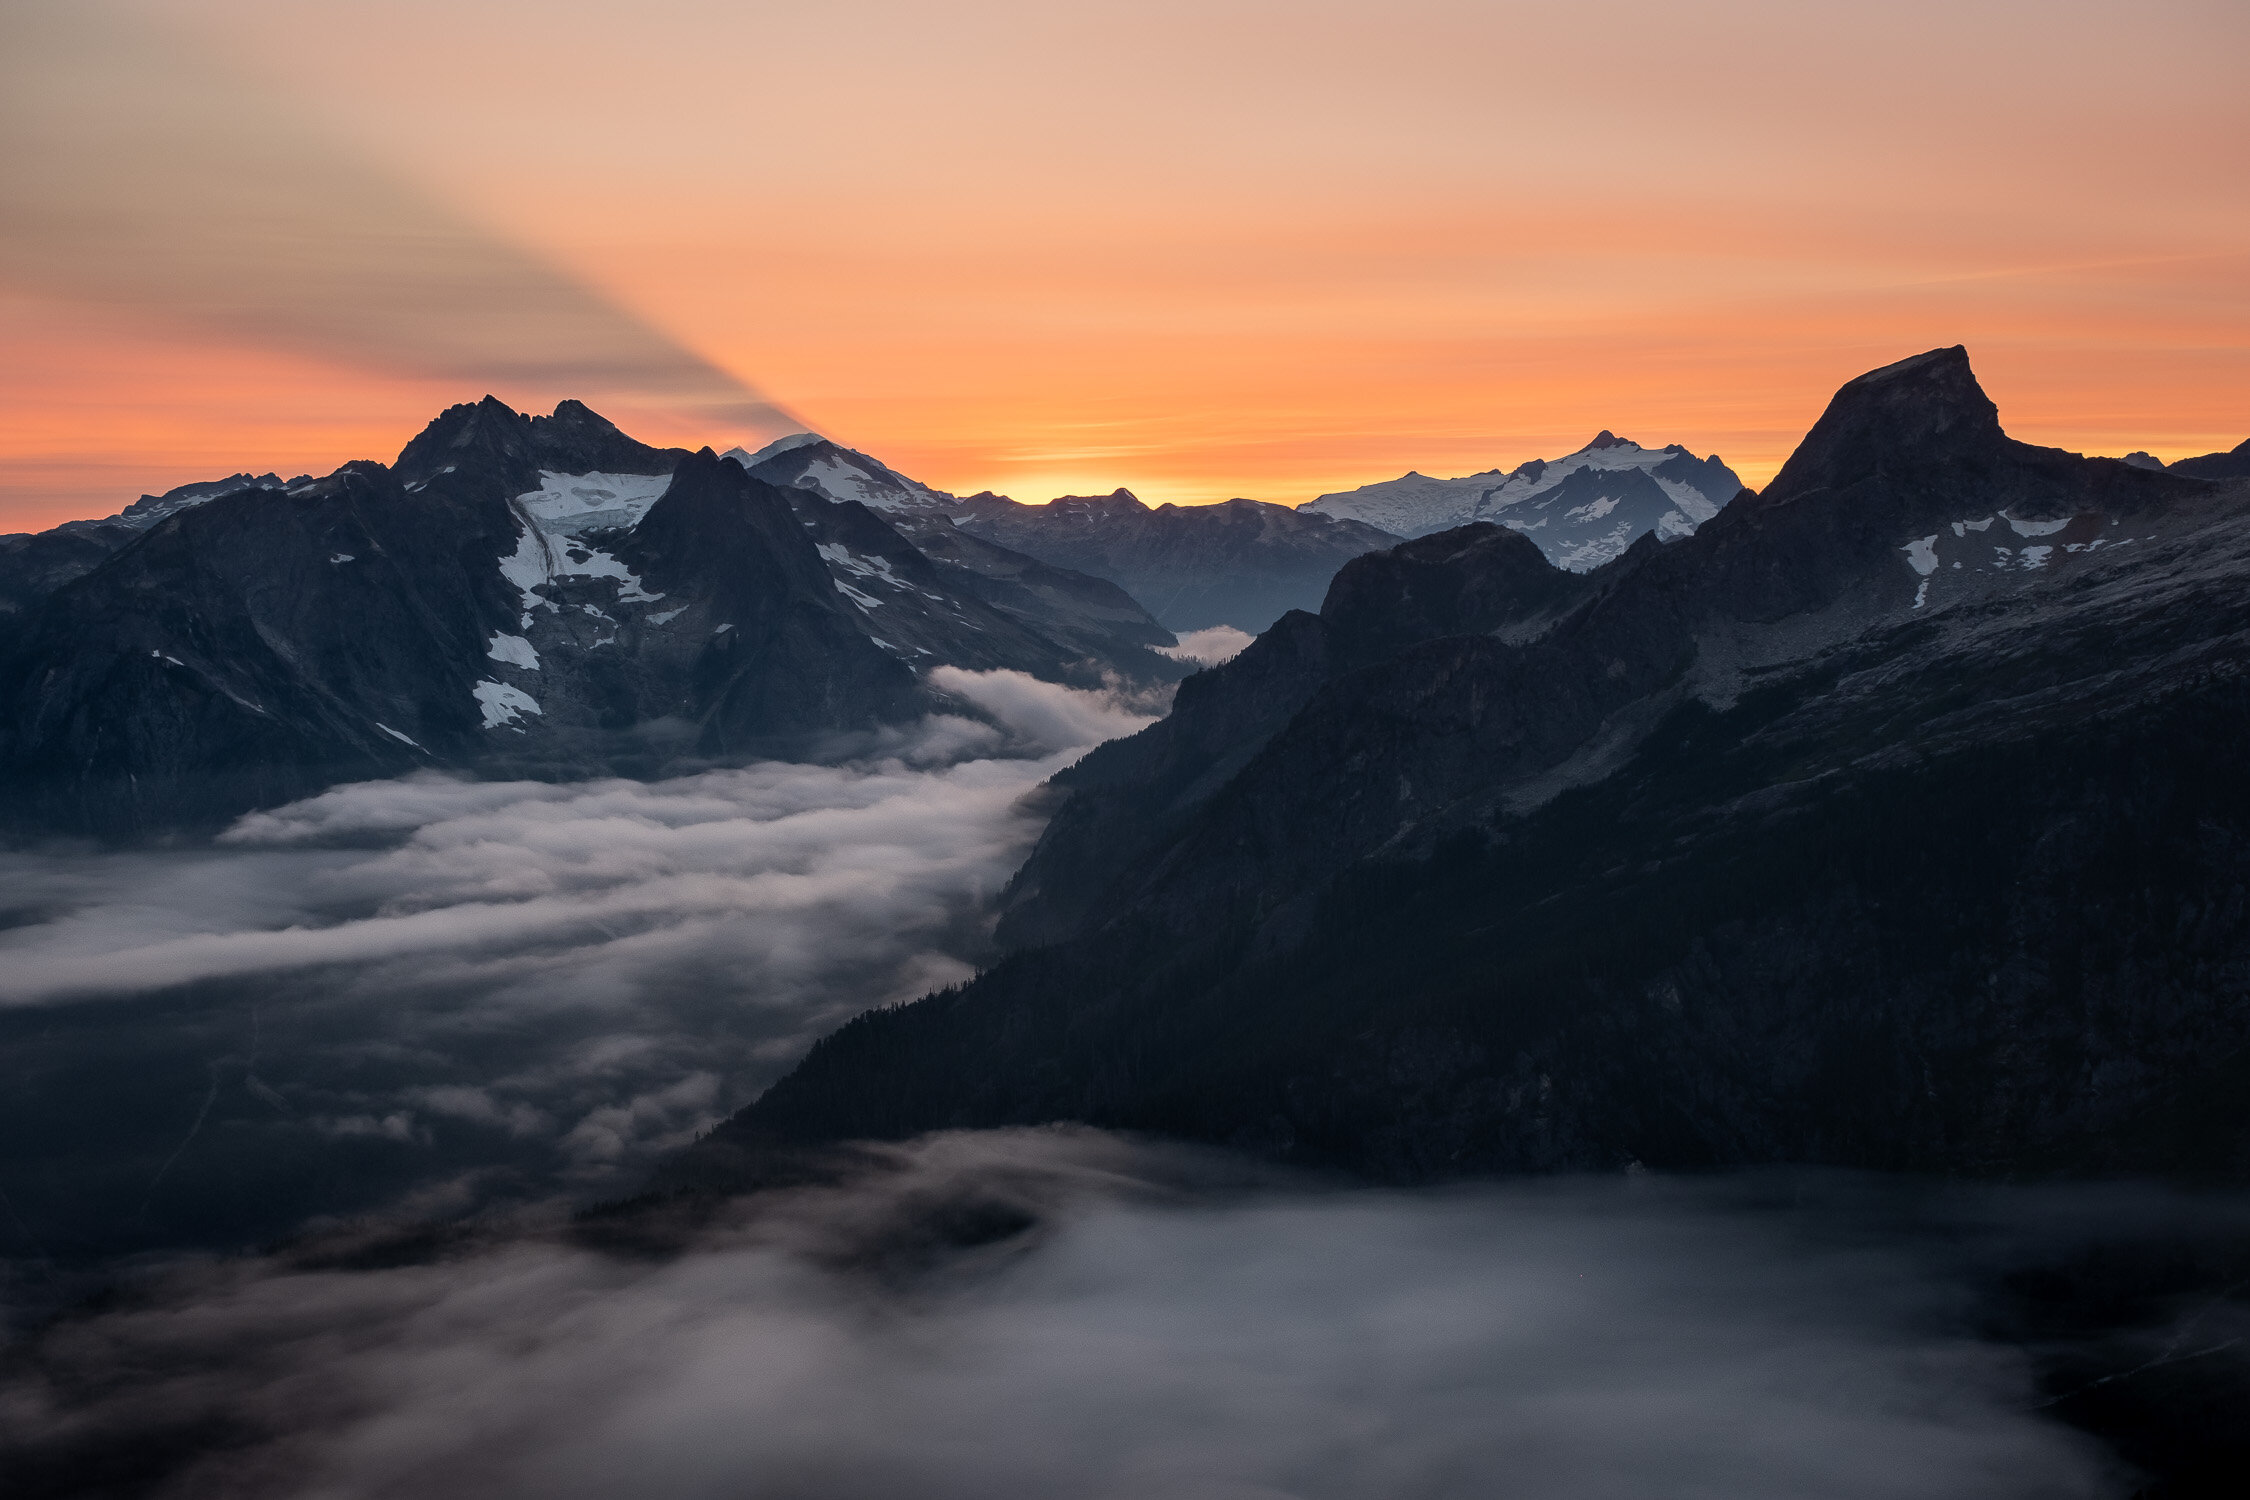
403 1027
1065 1313
433 993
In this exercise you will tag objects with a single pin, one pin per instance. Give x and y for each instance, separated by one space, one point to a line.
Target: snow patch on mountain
1959 561
503 704
567 504
514 650
841 556
552 521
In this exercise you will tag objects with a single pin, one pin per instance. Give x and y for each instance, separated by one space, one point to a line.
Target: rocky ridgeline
1892 819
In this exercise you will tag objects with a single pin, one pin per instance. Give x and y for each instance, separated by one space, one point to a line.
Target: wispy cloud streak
136 172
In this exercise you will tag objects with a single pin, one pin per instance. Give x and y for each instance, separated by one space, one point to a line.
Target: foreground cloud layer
1145 1331
458 989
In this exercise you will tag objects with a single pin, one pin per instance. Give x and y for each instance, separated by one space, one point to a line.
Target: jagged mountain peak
488 425
1928 407
492 435
1607 439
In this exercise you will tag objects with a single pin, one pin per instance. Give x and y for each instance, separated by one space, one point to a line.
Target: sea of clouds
457 991
328 1092
1136 1321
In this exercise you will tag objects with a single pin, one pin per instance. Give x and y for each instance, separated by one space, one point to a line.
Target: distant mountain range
1241 563
2232 464
1582 510
1246 563
1894 817
536 596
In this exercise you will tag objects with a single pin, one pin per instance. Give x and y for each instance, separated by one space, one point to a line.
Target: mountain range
1241 562
1891 818
1582 510
514 594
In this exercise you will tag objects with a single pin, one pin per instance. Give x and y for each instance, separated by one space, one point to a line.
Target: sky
1198 250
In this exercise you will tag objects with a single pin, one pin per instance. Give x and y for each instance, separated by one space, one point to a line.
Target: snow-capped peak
810 462
1582 509
746 458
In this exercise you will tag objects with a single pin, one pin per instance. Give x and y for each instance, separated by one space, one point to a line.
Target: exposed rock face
519 595
1892 819
1239 563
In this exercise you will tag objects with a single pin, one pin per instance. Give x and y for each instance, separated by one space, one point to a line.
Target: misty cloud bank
445 992
1209 646
1152 1327
403 1027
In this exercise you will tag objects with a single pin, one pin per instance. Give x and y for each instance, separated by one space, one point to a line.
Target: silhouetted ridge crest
2234 463
1472 580
1920 410
491 436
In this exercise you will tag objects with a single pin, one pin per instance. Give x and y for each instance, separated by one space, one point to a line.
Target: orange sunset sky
1199 250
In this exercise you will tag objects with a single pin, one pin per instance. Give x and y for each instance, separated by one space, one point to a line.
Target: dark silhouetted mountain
35 564
1893 818
1241 562
1583 509
1133 796
523 595
2232 464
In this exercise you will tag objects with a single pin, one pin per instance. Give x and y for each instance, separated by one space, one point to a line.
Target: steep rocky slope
1891 819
